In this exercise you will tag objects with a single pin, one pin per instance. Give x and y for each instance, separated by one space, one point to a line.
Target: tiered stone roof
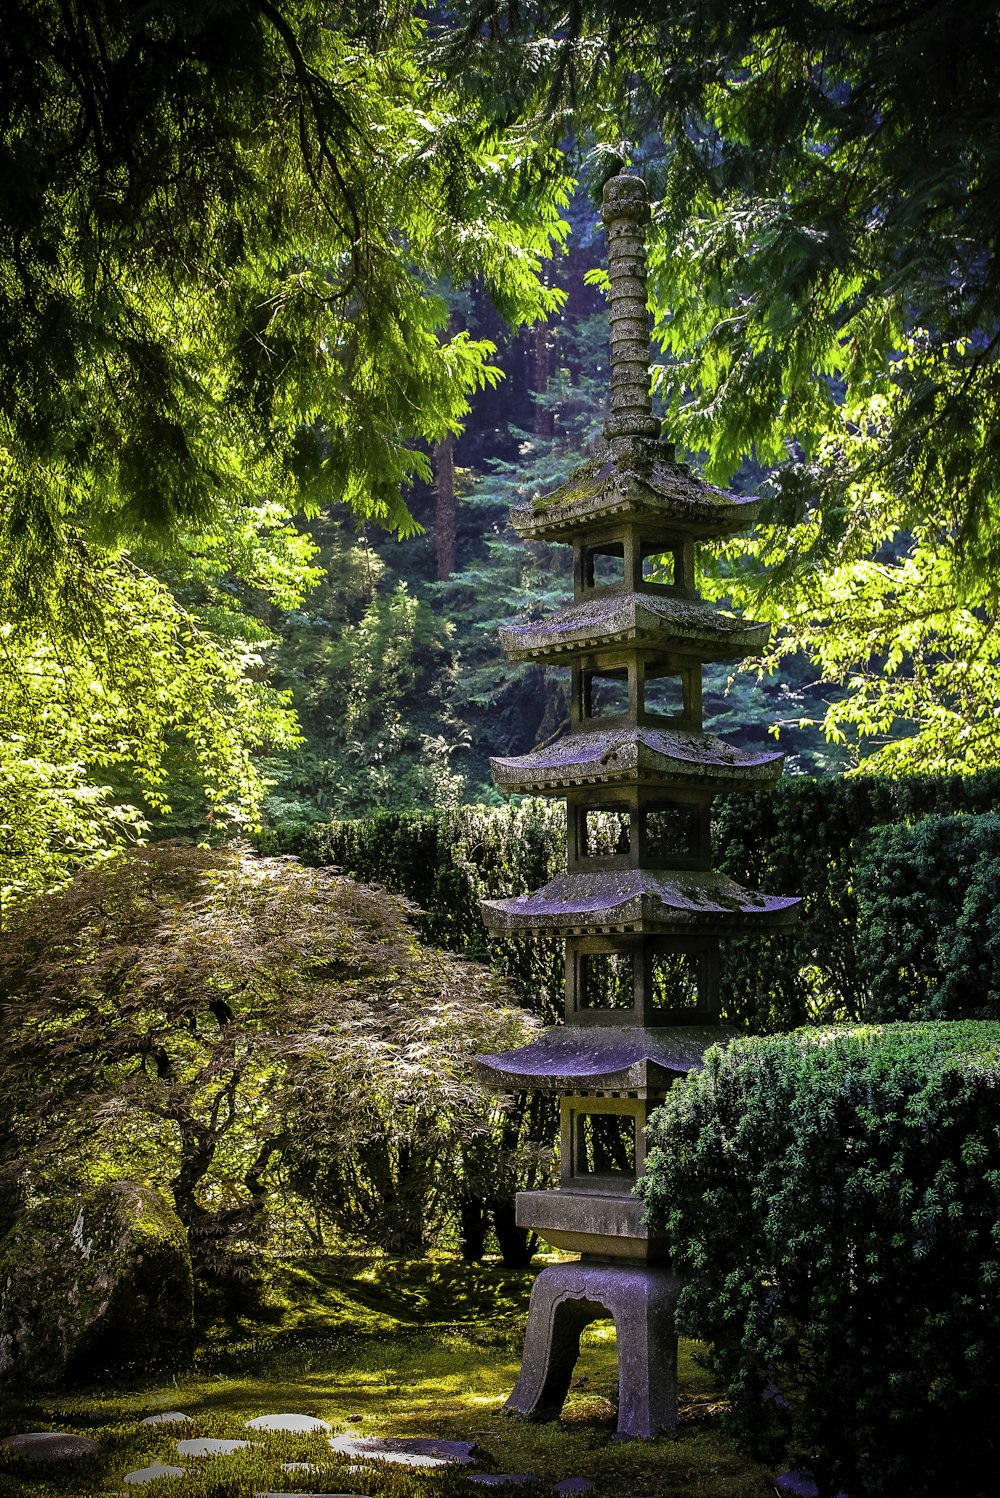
654 903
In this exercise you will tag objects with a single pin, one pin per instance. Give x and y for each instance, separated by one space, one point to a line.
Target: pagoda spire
625 213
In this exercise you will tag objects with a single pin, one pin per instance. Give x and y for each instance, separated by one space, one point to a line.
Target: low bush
832 1198
447 862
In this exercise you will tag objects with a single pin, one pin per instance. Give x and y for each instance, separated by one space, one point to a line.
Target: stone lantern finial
625 213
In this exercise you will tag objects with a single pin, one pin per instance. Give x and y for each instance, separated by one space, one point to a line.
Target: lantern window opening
662 566
606 980
677 981
604 1145
604 566
665 694
605 831
605 693
673 834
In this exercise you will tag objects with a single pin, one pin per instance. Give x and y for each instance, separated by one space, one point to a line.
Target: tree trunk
474 1225
517 1245
541 372
445 507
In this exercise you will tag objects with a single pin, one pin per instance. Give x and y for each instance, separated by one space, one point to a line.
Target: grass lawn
389 1347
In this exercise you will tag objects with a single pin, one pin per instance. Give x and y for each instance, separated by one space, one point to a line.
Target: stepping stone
504 1479
303 1424
299 1467
169 1417
570 1485
798 1485
51 1445
150 1474
407 1451
209 1446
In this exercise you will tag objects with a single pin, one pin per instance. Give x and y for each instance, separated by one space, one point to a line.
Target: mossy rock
94 1285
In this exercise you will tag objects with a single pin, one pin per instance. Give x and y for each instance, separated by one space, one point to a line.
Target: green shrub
929 922
832 1198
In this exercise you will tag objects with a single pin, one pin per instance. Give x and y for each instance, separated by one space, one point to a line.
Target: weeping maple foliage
270 1043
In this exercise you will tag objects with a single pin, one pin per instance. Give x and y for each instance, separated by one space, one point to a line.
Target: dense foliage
928 906
827 286
271 1044
831 1199
447 862
220 225
819 839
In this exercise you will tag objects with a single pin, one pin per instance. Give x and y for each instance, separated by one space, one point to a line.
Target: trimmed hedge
447 861
804 838
929 919
832 1199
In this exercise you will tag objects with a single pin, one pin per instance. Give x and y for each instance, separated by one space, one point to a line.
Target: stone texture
798 1485
169 1417
639 619
571 1058
209 1446
51 1446
302 1424
639 481
640 1299
573 1485
633 756
504 1479
690 903
94 1284
605 1222
157 1470
408 1451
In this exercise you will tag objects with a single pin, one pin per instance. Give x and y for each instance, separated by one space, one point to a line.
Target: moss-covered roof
671 758
640 900
575 1059
684 626
634 479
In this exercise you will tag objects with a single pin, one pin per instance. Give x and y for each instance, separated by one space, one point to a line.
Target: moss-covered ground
428 1347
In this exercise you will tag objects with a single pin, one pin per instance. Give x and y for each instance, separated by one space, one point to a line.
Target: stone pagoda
640 908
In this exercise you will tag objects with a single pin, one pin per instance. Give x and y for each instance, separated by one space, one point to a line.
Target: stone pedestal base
640 1299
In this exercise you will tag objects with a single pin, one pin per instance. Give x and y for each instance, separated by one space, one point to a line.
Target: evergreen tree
221 230
826 273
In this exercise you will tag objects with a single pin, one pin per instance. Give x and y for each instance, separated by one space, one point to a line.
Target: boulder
95 1284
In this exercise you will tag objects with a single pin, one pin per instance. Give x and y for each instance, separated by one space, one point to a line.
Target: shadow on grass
387 1347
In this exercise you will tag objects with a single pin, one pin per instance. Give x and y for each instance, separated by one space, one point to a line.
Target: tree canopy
222 226
227 230
827 287
256 258
255 1037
